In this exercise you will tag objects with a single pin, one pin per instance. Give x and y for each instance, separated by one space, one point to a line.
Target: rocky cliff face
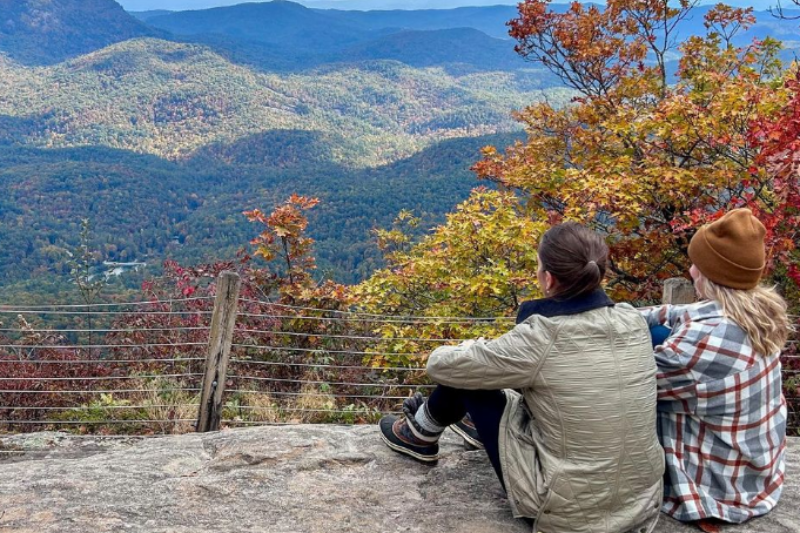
272 479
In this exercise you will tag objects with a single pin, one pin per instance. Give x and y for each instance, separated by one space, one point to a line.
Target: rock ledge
278 479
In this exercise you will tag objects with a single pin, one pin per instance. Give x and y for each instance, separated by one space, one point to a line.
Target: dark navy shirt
550 307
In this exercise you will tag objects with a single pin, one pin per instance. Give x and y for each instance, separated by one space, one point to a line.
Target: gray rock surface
277 479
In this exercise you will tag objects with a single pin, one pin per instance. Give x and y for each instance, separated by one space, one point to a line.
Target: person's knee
485 405
659 334
484 398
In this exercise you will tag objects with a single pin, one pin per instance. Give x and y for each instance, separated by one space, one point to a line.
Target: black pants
448 405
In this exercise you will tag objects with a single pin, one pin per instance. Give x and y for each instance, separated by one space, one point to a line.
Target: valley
162 127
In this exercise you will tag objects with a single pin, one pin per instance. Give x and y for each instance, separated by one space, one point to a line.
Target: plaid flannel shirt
722 416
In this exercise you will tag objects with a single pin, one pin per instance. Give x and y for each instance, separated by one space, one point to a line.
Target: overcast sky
142 5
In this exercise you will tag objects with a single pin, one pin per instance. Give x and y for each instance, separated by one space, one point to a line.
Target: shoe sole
427 459
478 445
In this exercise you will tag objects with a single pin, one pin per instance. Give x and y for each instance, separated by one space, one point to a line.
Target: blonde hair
760 312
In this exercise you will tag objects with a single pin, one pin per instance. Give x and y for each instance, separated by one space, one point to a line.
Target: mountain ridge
284 35
311 37
35 32
170 99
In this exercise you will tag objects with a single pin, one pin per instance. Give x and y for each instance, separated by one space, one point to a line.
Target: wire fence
118 368
138 367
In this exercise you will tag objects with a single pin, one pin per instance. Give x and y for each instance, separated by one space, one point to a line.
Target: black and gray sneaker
398 436
465 429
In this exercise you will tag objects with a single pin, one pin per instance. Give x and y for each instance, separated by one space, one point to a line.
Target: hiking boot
398 436
465 428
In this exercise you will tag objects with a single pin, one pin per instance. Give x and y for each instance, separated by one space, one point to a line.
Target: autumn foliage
778 139
650 148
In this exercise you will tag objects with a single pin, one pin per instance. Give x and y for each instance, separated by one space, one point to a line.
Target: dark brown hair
575 256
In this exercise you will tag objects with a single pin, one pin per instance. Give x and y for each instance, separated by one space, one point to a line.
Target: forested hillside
147 209
163 143
175 100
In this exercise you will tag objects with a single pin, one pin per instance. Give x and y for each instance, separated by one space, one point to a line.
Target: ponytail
576 257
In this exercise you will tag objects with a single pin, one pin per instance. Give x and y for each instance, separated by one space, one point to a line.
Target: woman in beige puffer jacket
564 403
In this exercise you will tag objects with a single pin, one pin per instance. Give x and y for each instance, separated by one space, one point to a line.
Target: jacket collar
704 309
552 307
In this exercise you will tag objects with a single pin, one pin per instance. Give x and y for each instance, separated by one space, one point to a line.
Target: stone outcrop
277 479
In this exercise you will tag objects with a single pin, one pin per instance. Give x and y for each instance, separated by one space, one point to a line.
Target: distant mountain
280 22
458 51
460 46
282 35
259 21
37 32
144 16
490 20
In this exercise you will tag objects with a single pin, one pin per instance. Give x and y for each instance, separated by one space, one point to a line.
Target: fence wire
138 367
119 368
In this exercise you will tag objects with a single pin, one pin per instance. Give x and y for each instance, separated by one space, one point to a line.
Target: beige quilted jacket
578 449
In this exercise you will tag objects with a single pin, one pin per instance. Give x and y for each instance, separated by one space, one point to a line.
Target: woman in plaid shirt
722 415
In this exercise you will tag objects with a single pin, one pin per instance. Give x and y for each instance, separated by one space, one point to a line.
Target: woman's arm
663 315
511 361
656 315
678 359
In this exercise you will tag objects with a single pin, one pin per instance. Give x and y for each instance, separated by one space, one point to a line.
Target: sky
143 5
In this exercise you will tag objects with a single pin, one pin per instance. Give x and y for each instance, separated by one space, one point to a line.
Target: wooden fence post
220 338
678 291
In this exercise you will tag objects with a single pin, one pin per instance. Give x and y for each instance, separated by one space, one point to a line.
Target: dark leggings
448 406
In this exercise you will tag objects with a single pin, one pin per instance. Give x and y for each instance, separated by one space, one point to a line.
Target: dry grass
175 411
312 406
260 407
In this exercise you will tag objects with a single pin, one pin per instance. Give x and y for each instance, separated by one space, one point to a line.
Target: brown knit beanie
730 251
